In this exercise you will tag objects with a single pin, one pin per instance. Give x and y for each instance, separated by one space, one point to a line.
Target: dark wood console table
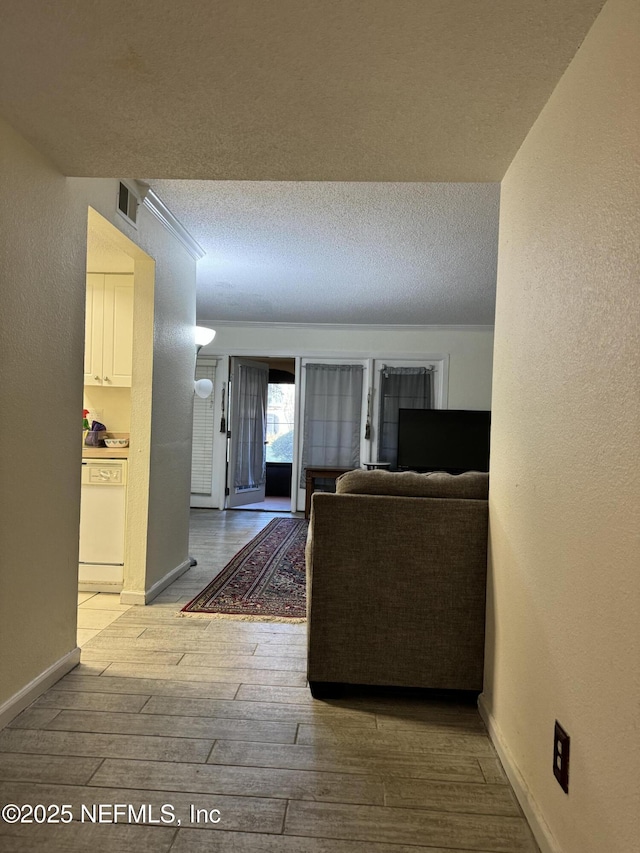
313 474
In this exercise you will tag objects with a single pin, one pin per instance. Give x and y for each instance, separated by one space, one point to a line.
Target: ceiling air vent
128 204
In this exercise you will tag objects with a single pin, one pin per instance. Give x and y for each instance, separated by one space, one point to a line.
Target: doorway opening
118 370
275 423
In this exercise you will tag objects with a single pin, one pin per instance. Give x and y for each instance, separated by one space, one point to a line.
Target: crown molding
255 324
154 203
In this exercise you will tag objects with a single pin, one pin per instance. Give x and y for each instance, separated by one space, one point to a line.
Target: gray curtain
250 461
400 388
332 416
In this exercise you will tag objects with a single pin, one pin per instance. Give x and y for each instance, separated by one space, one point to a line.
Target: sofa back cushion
472 485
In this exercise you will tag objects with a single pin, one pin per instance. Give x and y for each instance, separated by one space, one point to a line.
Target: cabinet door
94 312
117 331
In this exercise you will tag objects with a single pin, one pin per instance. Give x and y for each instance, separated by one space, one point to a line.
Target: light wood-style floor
269 504
215 714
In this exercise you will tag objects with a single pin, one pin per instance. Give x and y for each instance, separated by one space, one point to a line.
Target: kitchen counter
105 452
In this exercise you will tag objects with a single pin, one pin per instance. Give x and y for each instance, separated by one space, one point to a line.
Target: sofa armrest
396 590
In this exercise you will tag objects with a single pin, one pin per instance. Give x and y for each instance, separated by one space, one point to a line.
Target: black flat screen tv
451 440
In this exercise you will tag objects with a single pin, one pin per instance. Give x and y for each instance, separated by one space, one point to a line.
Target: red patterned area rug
264 581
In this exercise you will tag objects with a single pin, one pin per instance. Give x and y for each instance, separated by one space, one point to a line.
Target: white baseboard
542 834
30 692
113 588
203 502
142 598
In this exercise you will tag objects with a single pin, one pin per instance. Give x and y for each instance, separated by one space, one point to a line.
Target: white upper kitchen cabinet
108 330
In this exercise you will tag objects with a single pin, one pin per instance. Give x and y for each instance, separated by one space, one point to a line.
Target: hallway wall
44 234
41 352
563 636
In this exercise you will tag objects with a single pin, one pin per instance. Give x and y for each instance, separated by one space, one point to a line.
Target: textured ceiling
302 91
341 252
330 90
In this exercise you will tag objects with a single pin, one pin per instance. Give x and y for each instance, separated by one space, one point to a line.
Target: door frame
256 494
225 365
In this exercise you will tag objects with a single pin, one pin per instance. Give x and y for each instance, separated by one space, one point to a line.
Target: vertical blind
202 447
332 416
400 388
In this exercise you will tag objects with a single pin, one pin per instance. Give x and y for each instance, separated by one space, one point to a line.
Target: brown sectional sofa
396 579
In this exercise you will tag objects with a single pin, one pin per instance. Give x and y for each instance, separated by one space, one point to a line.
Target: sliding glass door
399 388
350 408
333 414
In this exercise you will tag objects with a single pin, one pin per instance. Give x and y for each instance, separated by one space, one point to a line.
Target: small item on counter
95 436
85 422
117 442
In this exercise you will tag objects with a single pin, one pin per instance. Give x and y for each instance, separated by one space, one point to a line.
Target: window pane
280 409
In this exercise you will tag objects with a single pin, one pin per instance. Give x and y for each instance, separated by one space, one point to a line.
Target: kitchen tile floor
214 714
95 612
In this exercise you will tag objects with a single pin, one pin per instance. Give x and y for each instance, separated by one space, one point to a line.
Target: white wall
42 293
563 636
113 404
470 349
468 368
174 358
41 355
